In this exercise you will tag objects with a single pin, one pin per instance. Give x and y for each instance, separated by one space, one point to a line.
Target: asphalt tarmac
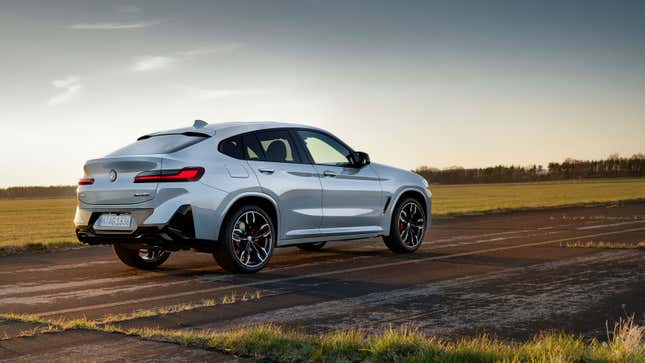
510 274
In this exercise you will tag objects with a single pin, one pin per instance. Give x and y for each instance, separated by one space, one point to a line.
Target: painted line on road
608 225
328 273
432 247
7 291
471 236
40 286
10 290
543 228
59 267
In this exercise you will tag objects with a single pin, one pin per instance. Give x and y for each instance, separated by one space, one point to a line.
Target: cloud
129 9
152 63
157 62
201 94
224 49
70 89
113 26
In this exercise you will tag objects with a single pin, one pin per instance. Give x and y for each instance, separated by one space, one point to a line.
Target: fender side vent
387 204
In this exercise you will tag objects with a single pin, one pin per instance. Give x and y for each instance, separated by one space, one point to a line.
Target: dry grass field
47 223
270 342
459 199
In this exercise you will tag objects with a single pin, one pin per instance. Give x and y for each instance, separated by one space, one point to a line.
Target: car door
352 197
294 184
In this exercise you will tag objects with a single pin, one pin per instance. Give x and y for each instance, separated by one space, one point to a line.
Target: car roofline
230 128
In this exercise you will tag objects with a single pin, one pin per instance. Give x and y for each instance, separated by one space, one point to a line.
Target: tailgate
114 180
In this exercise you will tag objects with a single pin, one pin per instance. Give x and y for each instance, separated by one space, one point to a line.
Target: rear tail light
164 176
85 181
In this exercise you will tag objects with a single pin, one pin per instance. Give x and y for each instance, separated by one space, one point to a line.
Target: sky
468 83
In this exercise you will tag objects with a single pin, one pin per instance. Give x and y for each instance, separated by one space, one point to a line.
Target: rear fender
232 199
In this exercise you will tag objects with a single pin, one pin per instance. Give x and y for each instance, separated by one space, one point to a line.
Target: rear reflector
164 176
86 181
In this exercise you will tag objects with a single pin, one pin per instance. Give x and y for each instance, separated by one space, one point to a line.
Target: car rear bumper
177 234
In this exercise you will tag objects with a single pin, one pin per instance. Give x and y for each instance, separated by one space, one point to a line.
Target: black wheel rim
252 239
411 224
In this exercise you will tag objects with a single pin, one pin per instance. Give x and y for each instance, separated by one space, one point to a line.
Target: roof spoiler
198 124
186 133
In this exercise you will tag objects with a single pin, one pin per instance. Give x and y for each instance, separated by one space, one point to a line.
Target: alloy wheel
411 224
252 239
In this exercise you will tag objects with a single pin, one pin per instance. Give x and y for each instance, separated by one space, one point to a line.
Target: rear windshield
160 144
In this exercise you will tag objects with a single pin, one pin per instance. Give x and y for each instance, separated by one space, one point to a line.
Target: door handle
329 173
266 171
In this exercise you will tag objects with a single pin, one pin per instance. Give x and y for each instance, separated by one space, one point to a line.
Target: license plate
114 221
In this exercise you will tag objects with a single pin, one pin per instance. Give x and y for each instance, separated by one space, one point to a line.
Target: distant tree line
612 167
64 191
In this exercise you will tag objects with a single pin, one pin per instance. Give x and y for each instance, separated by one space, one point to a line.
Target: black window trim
245 154
311 159
299 145
296 152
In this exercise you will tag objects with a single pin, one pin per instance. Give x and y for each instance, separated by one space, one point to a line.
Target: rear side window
160 144
277 146
232 147
252 148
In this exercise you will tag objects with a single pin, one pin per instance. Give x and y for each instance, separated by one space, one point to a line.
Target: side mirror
359 159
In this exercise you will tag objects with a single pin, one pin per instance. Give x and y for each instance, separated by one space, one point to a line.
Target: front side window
324 149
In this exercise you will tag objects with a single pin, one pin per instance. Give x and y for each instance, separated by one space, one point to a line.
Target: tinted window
232 147
160 144
324 149
252 148
275 146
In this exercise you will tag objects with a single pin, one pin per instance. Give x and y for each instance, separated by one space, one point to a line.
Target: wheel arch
415 194
409 192
267 203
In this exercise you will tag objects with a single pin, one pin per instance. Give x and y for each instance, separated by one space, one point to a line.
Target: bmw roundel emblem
112 175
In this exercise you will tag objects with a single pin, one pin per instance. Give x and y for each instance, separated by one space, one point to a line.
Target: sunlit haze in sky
470 83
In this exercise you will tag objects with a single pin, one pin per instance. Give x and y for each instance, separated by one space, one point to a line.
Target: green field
48 222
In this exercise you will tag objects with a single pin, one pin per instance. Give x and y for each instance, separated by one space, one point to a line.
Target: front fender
396 197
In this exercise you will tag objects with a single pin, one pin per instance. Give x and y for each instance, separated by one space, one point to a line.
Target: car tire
405 236
144 259
312 246
235 252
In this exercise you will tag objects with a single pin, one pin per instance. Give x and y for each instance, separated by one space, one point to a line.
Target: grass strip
232 298
37 247
626 343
